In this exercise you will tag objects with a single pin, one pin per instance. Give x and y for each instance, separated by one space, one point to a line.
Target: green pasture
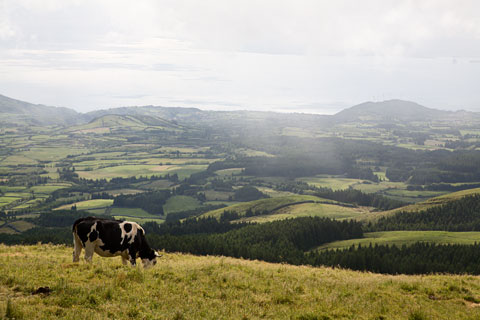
437 201
186 171
12 189
400 238
412 196
213 195
152 185
269 204
126 171
470 131
21 225
132 212
170 150
29 203
15 227
413 146
252 153
123 191
177 161
140 220
16 160
180 203
4 200
126 213
229 172
87 204
94 164
101 155
372 187
331 211
48 188
297 132
51 173
335 183
52 153
274 193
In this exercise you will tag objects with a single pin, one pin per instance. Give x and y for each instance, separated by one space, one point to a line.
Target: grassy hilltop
191 287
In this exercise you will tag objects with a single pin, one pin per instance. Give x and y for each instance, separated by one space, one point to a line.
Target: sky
312 56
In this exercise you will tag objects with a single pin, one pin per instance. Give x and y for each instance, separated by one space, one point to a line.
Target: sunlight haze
286 56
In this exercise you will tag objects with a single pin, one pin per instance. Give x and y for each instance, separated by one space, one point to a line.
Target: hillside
190 287
400 238
16 112
432 202
395 111
283 207
111 123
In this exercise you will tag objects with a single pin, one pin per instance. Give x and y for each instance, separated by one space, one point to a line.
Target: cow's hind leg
77 248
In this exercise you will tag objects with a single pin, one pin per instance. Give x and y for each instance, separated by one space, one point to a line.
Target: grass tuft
417 315
12 312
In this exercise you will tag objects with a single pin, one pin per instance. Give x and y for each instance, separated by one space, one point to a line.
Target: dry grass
190 287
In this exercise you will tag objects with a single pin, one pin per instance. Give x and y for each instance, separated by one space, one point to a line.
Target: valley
157 165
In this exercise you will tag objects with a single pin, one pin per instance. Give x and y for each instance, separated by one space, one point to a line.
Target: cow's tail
77 244
75 224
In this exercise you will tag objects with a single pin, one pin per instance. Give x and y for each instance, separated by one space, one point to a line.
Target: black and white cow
109 238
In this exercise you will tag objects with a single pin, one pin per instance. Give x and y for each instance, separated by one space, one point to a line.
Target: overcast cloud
302 56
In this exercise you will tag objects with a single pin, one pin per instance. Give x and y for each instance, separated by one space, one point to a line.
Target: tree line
419 258
277 241
458 215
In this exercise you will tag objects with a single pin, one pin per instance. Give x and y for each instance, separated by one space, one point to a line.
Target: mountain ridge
20 112
17 112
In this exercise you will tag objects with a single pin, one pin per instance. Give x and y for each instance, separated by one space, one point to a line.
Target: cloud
269 54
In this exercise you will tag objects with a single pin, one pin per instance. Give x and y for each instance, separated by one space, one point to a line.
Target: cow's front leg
132 255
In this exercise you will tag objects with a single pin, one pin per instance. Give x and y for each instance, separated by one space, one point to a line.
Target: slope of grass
180 203
400 238
190 287
137 170
311 210
88 204
433 202
335 183
269 204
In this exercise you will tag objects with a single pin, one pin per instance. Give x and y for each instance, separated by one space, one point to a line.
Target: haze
287 56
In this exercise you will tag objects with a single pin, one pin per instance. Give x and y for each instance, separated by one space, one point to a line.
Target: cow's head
150 260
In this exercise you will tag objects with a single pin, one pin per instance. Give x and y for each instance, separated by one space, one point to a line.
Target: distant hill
20 113
168 113
395 111
113 122
239 119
